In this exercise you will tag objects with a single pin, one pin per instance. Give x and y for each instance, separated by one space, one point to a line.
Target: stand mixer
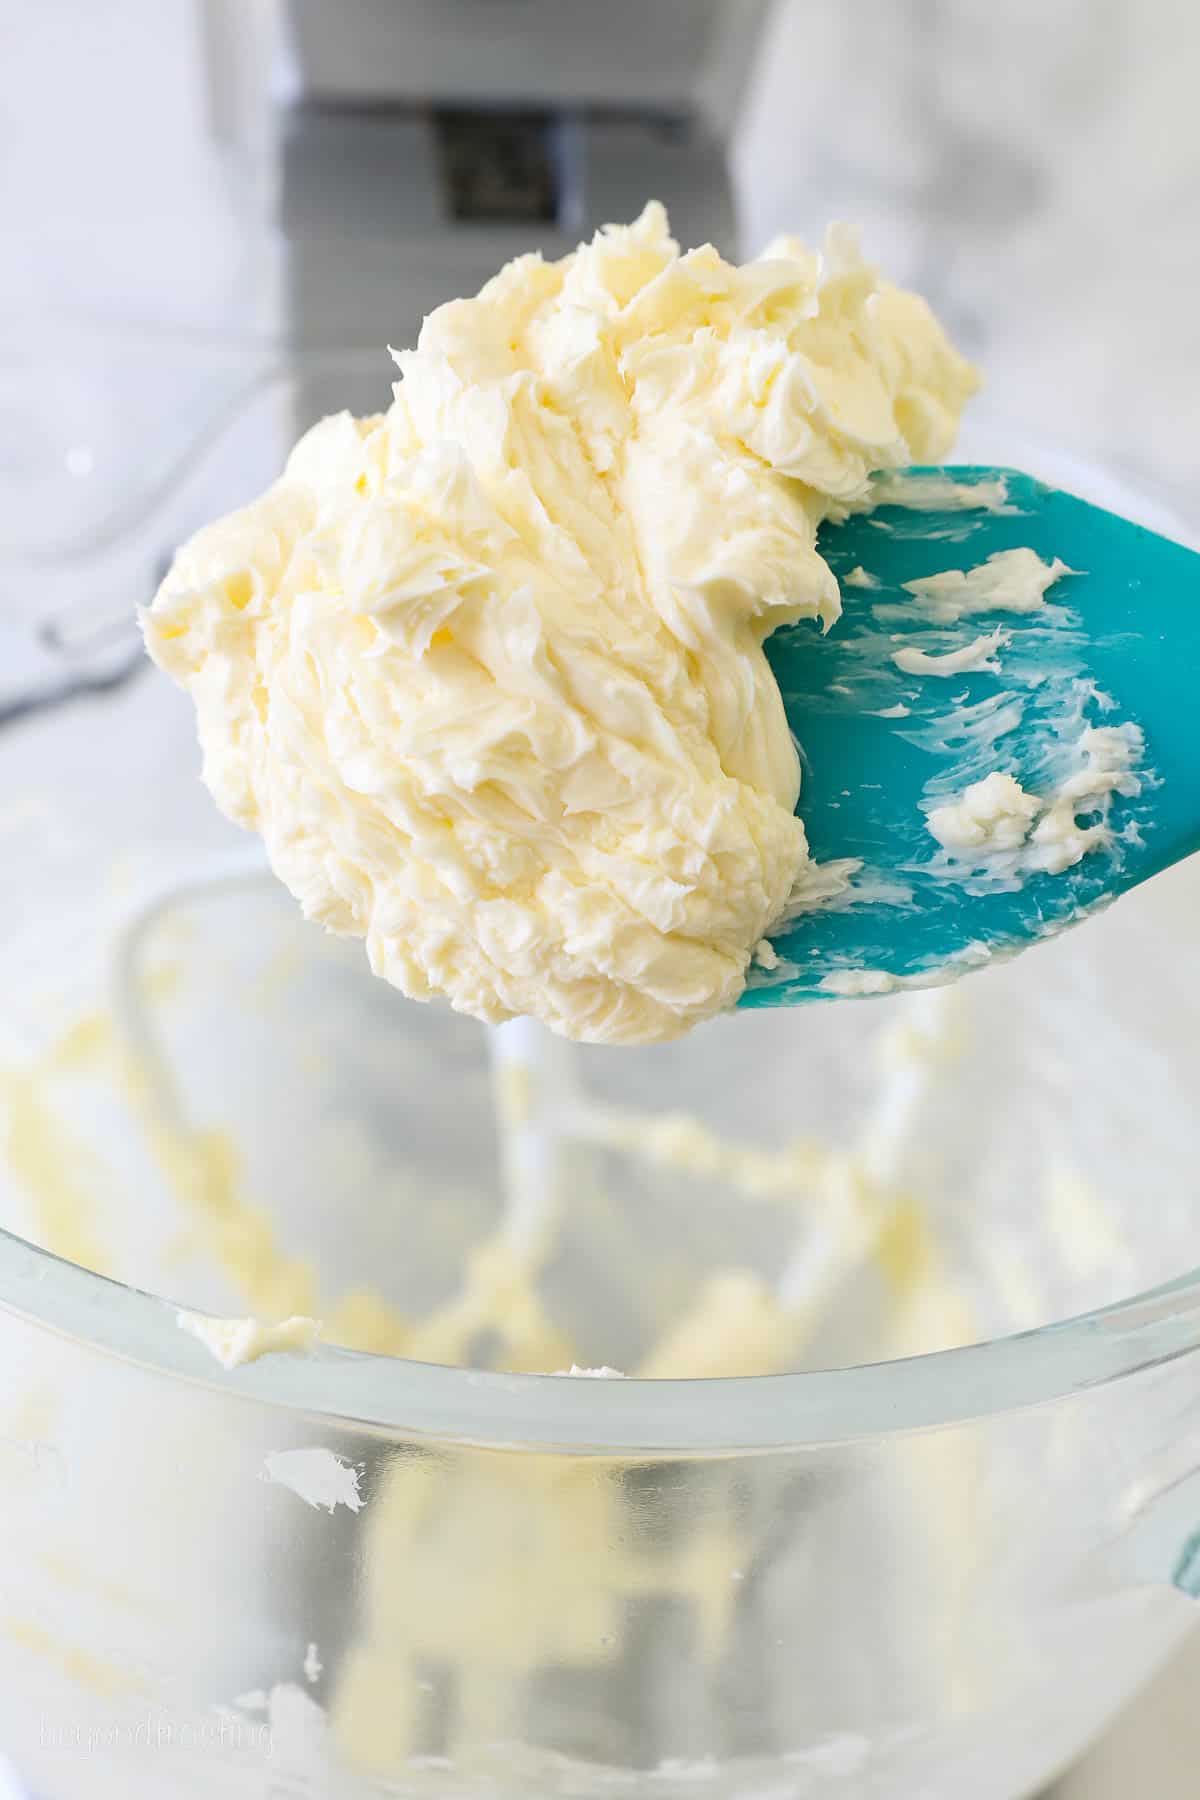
864 1558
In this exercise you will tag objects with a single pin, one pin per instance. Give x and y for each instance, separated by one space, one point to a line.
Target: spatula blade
1116 642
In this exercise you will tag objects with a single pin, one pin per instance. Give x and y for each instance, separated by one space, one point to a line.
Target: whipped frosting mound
486 670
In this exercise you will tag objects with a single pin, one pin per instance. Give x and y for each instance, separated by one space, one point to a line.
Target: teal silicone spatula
926 687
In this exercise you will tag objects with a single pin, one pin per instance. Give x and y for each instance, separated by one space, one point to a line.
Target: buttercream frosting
486 670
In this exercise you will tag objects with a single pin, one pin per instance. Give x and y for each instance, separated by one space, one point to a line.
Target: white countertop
1153 1750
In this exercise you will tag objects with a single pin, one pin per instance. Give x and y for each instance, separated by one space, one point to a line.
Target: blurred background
198 194
209 164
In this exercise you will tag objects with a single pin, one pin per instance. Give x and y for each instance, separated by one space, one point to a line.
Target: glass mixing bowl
904 1496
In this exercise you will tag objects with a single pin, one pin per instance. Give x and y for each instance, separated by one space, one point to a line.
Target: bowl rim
631 1416
639 1417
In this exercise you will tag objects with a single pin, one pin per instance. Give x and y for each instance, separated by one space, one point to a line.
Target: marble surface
1034 170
